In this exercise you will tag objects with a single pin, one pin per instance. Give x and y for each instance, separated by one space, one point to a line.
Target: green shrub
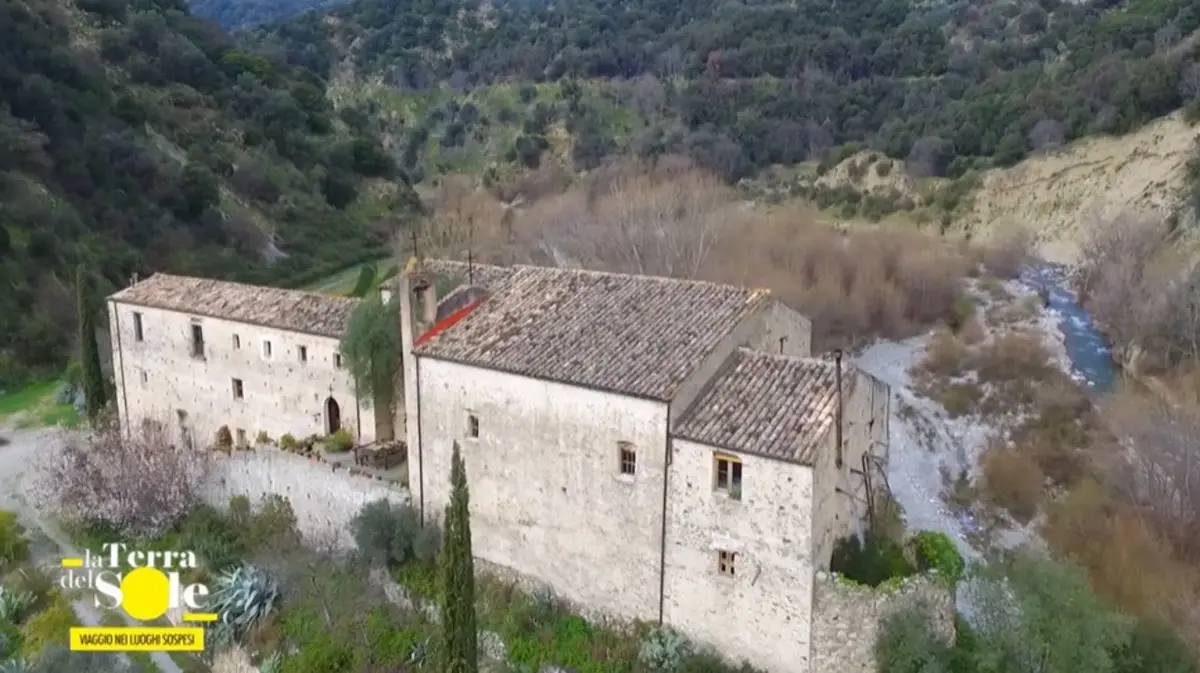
262 438
14 545
287 442
392 644
907 643
35 581
211 537
664 649
224 437
51 626
57 658
386 533
239 510
340 441
273 526
320 653
420 579
708 661
1154 648
937 551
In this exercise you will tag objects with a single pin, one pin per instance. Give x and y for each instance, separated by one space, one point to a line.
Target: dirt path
48 543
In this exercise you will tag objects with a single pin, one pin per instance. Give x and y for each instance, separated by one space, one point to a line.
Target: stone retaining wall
847 617
325 496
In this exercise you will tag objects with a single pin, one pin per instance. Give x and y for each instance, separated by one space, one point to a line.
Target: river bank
932 451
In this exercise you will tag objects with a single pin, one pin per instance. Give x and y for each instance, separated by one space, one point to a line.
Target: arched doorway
333 416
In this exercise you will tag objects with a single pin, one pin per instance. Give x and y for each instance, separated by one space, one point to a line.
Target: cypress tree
459 645
89 350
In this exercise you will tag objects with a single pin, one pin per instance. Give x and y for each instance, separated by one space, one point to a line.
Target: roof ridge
446 260
757 291
310 293
784 357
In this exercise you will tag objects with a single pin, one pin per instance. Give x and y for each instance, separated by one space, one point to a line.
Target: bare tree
634 224
1046 135
141 484
1006 255
1162 475
1116 283
648 96
1182 312
465 218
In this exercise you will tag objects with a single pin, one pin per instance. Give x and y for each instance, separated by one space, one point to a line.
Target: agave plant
244 596
272 664
15 666
14 605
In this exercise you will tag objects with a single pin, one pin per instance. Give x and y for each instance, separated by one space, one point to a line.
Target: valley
993 206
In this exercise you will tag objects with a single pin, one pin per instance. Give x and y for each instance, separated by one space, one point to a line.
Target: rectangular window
237 341
266 349
337 360
472 426
302 351
145 378
725 562
138 335
628 458
729 475
239 392
241 437
197 341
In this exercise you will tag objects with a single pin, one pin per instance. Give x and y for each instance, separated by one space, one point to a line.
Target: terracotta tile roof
483 275
636 335
767 404
292 310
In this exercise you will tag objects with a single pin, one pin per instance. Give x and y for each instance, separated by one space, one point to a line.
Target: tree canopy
135 137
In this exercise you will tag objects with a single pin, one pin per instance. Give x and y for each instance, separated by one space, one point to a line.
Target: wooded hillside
739 86
134 138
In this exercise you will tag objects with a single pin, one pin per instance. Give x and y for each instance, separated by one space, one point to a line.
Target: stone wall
767 529
847 617
325 496
286 378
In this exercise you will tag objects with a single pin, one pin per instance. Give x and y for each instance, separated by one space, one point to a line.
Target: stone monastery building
649 448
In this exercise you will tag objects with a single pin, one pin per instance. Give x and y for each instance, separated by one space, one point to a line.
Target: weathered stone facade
761 611
612 479
248 377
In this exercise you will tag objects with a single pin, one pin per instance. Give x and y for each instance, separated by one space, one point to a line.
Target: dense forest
742 85
244 13
135 137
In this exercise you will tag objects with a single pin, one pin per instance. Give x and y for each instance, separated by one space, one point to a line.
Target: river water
1087 350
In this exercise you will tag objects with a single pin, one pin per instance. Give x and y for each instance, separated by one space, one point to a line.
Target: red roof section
448 322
